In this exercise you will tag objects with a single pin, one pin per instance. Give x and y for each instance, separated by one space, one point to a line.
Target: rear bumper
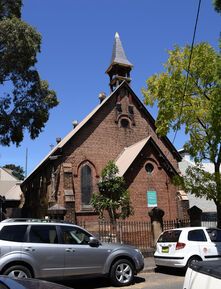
177 262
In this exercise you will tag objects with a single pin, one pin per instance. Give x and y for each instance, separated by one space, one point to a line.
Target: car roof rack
34 220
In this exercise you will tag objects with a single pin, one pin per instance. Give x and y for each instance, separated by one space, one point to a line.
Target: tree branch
198 86
219 157
202 124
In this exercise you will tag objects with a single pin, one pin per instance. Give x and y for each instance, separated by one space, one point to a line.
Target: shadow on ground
93 283
170 271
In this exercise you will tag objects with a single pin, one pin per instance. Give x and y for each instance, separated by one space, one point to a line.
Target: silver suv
51 249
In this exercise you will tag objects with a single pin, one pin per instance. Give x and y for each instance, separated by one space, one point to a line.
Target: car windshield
170 236
214 234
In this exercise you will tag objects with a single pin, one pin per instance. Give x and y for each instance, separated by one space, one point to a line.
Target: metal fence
171 224
138 234
210 224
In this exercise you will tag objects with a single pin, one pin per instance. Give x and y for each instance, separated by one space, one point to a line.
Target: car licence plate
165 249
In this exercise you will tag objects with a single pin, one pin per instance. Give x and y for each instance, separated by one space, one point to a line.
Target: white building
10 189
207 206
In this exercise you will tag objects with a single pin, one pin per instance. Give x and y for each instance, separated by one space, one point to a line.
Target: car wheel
193 260
122 273
18 271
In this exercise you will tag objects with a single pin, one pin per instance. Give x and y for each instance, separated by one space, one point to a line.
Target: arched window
86 185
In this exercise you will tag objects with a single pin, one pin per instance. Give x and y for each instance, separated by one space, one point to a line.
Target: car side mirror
94 242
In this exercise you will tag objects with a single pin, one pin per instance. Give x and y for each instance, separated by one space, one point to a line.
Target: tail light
180 245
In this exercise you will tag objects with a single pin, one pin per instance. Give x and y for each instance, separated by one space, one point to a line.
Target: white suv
182 246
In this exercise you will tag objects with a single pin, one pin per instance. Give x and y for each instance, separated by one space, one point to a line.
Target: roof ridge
130 146
74 130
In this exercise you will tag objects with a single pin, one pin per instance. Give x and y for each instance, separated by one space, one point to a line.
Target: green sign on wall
151 199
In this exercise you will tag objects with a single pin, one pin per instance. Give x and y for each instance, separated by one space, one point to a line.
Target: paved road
151 280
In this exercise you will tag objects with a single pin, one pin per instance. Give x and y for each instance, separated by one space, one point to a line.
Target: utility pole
26 162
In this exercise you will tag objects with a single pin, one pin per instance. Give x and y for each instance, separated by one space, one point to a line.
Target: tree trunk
218 207
218 189
111 215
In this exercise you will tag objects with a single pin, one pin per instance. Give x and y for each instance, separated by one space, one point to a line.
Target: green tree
196 105
17 171
25 99
112 196
217 5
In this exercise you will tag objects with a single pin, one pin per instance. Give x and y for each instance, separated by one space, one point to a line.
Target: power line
188 69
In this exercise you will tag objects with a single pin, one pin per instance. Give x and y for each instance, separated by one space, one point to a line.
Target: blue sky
77 41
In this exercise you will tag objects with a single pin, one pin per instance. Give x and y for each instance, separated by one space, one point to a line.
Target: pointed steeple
118 54
120 67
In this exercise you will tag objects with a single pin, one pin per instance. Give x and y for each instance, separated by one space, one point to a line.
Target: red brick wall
159 181
102 139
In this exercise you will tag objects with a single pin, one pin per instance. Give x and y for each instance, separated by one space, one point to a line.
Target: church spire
120 67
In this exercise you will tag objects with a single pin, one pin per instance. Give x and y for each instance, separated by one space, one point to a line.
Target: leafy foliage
25 99
198 181
198 110
217 5
9 8
112 196
17 171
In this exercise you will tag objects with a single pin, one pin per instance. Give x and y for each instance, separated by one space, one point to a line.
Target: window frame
170 236
47 225
195 230
61 232
86 206
16 225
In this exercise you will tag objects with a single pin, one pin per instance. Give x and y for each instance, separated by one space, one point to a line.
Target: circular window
149 168
125 123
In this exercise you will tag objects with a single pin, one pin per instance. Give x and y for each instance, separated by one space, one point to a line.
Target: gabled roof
7 181
73 132
14 193
5 186
129 154
6 175
70 134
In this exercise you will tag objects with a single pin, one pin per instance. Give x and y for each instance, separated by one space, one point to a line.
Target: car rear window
170 236
13 233
214 234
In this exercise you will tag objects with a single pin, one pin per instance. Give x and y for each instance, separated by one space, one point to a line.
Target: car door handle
28 249
69 250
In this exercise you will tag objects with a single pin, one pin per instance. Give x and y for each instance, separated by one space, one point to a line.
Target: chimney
74 123
102 96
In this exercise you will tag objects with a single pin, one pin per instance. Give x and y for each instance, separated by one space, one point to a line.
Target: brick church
120 128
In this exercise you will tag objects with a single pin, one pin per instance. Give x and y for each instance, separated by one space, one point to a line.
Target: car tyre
122 273
192 260
18 271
